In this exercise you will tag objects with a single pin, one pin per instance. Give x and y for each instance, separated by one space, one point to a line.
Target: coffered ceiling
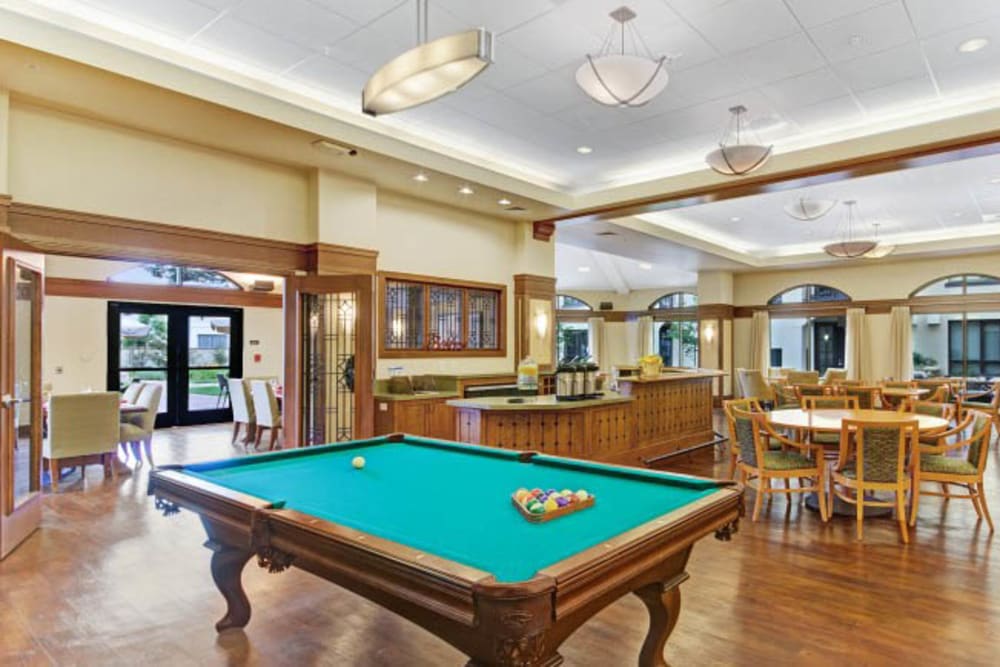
810 71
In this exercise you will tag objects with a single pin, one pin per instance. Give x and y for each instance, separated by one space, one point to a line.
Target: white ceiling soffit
811 73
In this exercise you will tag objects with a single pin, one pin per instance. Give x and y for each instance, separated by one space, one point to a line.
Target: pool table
427 529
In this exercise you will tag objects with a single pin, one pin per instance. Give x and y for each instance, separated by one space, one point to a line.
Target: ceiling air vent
607 233
516 209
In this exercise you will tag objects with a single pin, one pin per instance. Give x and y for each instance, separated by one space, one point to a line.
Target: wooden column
535 319
715 345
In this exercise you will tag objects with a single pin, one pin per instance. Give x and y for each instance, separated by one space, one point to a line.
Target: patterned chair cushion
787 461
946 464
881 456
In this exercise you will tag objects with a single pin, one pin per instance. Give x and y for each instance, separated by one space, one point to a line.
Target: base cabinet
431 418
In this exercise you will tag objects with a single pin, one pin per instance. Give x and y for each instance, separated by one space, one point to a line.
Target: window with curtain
675 331
572 340
963 342
675 300
440 317
808 294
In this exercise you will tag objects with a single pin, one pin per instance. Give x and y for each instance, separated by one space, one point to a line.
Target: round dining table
904 392
830 421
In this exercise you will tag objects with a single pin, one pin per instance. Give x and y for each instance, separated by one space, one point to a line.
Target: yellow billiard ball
358 462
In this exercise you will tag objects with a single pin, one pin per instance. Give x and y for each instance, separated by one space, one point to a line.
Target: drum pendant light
429 70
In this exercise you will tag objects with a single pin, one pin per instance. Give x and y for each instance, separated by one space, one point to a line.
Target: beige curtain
760 341
646 336
858 348
900 343
598 343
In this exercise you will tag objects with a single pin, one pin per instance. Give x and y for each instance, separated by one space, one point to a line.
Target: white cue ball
358 462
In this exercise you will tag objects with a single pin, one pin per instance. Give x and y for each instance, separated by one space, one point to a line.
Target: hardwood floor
109 581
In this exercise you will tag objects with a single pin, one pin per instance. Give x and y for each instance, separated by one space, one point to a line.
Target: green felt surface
454 501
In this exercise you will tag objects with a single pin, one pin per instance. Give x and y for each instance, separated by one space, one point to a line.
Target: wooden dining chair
931 408
785 396
243 412
813 390
992 408
758 463
934 465
266 412
745 405
867 395
899 384
873 457
826 438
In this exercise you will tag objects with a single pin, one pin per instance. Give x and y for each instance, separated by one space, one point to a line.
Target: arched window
675 300
567 302
174 276
808 294
969 283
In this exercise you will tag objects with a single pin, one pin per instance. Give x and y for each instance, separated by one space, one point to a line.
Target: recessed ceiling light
857 39
466 190
645 266
503 201
973 45
735 218
421 177
583 269
584 150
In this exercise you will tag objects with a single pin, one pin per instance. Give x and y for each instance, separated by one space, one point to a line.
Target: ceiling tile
509 68
550 92
298 21
365 11
867 32
594 16
815 12
553 40
931 17
778 60
900 96
712 80
883 68
180 18
805 89
330 75
497 17
250 44
942 49
742 24
840 110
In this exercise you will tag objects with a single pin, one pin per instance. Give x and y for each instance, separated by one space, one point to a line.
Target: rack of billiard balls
539 506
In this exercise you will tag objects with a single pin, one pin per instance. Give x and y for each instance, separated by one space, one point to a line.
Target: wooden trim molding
63 232
331 259
526 283
99 289
722 311
946 303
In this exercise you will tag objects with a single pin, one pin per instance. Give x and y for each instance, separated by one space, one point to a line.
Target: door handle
7 400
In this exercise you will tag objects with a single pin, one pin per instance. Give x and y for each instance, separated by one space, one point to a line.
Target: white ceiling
805 68
954 200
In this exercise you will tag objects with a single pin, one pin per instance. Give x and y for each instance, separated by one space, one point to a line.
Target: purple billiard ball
562 502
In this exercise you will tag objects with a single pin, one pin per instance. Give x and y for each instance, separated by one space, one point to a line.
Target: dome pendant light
849 247
617 79
880 250
736 158
807 210
428 71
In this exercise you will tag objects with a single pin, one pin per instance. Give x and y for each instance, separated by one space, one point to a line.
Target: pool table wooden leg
663 602
227 571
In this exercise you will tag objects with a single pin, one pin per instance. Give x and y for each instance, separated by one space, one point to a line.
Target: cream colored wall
418 237
66 161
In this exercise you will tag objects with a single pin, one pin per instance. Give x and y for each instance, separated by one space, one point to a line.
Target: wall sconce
709 332
541 323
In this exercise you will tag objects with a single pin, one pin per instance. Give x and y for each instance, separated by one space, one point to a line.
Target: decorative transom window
970 283
567 302
174 276
808 294
422 317
675 300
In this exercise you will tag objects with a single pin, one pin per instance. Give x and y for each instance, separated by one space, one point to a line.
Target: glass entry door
21 411
190 350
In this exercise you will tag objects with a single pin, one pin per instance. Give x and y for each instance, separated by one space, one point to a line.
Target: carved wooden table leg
227 571
663 602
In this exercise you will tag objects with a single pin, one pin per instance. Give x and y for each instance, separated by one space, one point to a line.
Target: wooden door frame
364 356
16 524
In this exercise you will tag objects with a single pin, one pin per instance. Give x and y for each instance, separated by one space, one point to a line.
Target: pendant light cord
421 21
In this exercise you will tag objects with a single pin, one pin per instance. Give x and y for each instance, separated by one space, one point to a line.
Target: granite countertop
536 402
675 376
417 396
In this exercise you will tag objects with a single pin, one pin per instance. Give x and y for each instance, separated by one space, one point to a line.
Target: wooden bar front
598 430
671 411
